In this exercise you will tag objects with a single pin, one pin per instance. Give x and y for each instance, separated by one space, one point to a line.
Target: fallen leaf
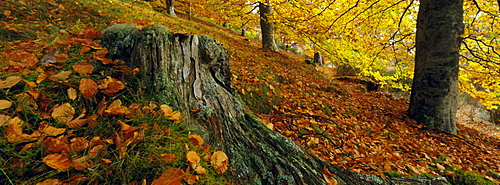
330 180
81 163
77 143
110 85
219 160
4 119
55 144
169 158
79 121
196 139
14 132
9 82
63 75
72 93
5 104
88 87
170 177
83 68
116 108
192 179
53 131
95 151
63 113
200 170
193 159
50 182
57 161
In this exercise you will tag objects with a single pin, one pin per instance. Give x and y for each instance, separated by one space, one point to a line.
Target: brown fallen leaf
57 161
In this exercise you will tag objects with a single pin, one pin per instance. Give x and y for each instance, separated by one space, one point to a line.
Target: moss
469 178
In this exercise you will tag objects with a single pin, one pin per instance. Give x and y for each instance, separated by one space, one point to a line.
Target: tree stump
192 72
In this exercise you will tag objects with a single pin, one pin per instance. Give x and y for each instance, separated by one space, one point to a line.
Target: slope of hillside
335 118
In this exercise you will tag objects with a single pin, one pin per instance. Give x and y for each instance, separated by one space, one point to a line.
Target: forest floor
336 118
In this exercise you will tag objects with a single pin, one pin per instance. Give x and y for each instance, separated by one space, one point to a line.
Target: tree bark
434 91
318 59
170 7
191 72
267 27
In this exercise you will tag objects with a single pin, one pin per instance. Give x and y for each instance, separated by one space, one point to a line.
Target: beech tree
434 92
170 7
266 26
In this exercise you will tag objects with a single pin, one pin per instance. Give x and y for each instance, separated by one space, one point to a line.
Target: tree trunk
267 27
191 72
170 7
434 92
318 59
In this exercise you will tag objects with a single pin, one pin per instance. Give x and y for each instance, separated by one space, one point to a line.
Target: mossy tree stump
192 72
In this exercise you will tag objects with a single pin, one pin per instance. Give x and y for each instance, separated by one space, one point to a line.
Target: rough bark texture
267 27
434 92
192 72
170 7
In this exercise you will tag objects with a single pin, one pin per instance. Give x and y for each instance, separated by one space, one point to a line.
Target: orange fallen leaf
50 182
110 85
63 113
192 179
53 131
219 160
95 151
77 143
83 68
81 163
196 139
169 158
193 159
88 87
170 177
57 161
